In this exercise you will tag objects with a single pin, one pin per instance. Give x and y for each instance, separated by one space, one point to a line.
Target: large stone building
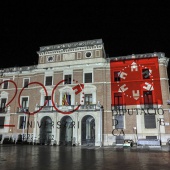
72 95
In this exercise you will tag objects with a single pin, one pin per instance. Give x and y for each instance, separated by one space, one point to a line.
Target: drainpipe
101 125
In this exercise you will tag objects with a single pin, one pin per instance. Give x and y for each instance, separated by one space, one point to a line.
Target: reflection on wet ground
35 157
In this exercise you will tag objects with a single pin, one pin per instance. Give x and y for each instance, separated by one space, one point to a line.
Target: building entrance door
45 130
66 131
88 130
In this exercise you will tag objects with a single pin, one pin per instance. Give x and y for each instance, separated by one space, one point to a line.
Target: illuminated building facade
77 96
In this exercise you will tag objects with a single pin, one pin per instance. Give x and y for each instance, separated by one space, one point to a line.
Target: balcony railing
46 108
118 107
91 107
22 110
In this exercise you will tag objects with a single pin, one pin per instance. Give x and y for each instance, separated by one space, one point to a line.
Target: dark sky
126 27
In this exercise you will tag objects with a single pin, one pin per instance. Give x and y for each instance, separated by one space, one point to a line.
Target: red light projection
135 82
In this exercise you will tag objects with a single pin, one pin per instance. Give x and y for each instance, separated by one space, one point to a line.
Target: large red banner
135 81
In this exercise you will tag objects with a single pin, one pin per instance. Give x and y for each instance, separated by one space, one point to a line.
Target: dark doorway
45 130
88 130
66 131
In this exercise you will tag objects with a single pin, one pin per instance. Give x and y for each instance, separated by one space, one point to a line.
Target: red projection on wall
135 81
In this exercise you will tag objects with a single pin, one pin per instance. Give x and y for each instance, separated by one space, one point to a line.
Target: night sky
126 27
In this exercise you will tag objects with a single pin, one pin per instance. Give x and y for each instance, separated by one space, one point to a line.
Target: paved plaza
41 157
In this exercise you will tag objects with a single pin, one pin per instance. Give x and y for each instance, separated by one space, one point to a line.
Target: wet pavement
41 157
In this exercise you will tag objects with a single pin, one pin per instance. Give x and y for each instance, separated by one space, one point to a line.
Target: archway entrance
45 130
66 131
88 130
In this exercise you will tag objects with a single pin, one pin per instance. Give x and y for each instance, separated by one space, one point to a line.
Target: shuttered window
88 77
2 120
150 121
88 99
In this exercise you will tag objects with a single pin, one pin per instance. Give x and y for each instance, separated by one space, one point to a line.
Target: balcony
3 110
91 107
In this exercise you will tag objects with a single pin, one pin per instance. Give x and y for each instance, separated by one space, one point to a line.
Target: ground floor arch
88 130
66 130
46 130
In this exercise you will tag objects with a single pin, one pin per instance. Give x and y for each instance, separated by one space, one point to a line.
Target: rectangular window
67 79
48 80
26 82
151 137
117 76
5 85
22 122
145 74
2 121
150 121
148 100
88 99
87 77
48 99
118 100
120 121
24 103
3 103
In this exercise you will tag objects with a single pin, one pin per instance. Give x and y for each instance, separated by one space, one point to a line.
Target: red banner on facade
135 82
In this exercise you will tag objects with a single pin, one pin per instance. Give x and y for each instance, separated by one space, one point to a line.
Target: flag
64 100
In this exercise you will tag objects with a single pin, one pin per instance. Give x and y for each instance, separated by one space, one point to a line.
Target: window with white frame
48 80
68 79
24 103
89 95
48 100
88 99
87 77
67 96
22 122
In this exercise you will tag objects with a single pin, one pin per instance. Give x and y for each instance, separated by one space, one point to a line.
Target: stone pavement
41 157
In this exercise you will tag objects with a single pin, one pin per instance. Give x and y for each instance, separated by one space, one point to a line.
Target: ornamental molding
61 51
